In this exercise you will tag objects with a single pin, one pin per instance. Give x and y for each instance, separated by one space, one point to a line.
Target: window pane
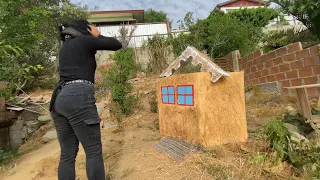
189 100
165 99
171 99
181 100
181 90
171 90
164 90
189 90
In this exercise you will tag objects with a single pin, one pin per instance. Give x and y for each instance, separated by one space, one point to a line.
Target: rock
312 136
49 136
32 126
271 88
24 132
100 107
31 130
44 119
249 95
292 128
297 137
291 111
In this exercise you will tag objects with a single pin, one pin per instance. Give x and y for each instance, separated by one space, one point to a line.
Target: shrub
303 155
159 50
275 39
117 80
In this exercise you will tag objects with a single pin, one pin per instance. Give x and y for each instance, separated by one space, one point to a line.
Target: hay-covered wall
217 116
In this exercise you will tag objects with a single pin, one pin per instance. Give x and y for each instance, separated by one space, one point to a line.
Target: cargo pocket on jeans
92 128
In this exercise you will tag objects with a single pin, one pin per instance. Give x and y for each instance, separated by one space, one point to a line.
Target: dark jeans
76 119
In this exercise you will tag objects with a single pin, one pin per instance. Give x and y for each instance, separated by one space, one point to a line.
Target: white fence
141 33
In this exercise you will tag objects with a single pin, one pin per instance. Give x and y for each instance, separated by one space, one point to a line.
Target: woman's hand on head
94 31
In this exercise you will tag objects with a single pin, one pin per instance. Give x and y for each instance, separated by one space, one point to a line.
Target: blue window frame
167 95
185 95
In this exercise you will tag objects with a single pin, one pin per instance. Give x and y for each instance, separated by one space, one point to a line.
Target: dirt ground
128 153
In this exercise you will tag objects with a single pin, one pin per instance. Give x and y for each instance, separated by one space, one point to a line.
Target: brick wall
291 66
225 63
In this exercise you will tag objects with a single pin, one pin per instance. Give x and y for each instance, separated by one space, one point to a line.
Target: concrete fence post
235 60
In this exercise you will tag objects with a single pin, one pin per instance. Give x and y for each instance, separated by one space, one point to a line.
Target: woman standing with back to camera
72 104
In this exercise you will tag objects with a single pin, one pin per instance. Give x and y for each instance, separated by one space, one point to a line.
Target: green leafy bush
219 34
303 155
117 80
259 17
159 49
275 39
12 72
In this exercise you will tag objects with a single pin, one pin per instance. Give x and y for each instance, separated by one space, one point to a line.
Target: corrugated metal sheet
142 32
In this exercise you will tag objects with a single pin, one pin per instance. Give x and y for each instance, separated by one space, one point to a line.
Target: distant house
233 5
116 17
110 22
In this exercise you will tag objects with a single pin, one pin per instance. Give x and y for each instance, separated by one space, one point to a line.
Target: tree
306 11
218 34
259 17
33 26
155 16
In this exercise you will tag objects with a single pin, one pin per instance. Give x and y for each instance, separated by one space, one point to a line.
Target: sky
176 9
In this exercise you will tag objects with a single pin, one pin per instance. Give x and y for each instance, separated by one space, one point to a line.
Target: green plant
11 71
33 27
306 11
303 155
7 156
259 17
159 50
218 34
152 15
275 39
117 80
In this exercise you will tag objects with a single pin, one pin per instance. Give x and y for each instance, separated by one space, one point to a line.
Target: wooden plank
304 102
316 118
303 86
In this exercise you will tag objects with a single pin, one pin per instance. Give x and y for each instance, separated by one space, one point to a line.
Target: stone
28 116
44 119
249 95
30 130
312 135
271 88
33 124
24 132
292 128
49 136
297 137
100 107
291 111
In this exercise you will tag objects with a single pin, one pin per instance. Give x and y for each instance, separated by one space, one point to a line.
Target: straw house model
206 108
